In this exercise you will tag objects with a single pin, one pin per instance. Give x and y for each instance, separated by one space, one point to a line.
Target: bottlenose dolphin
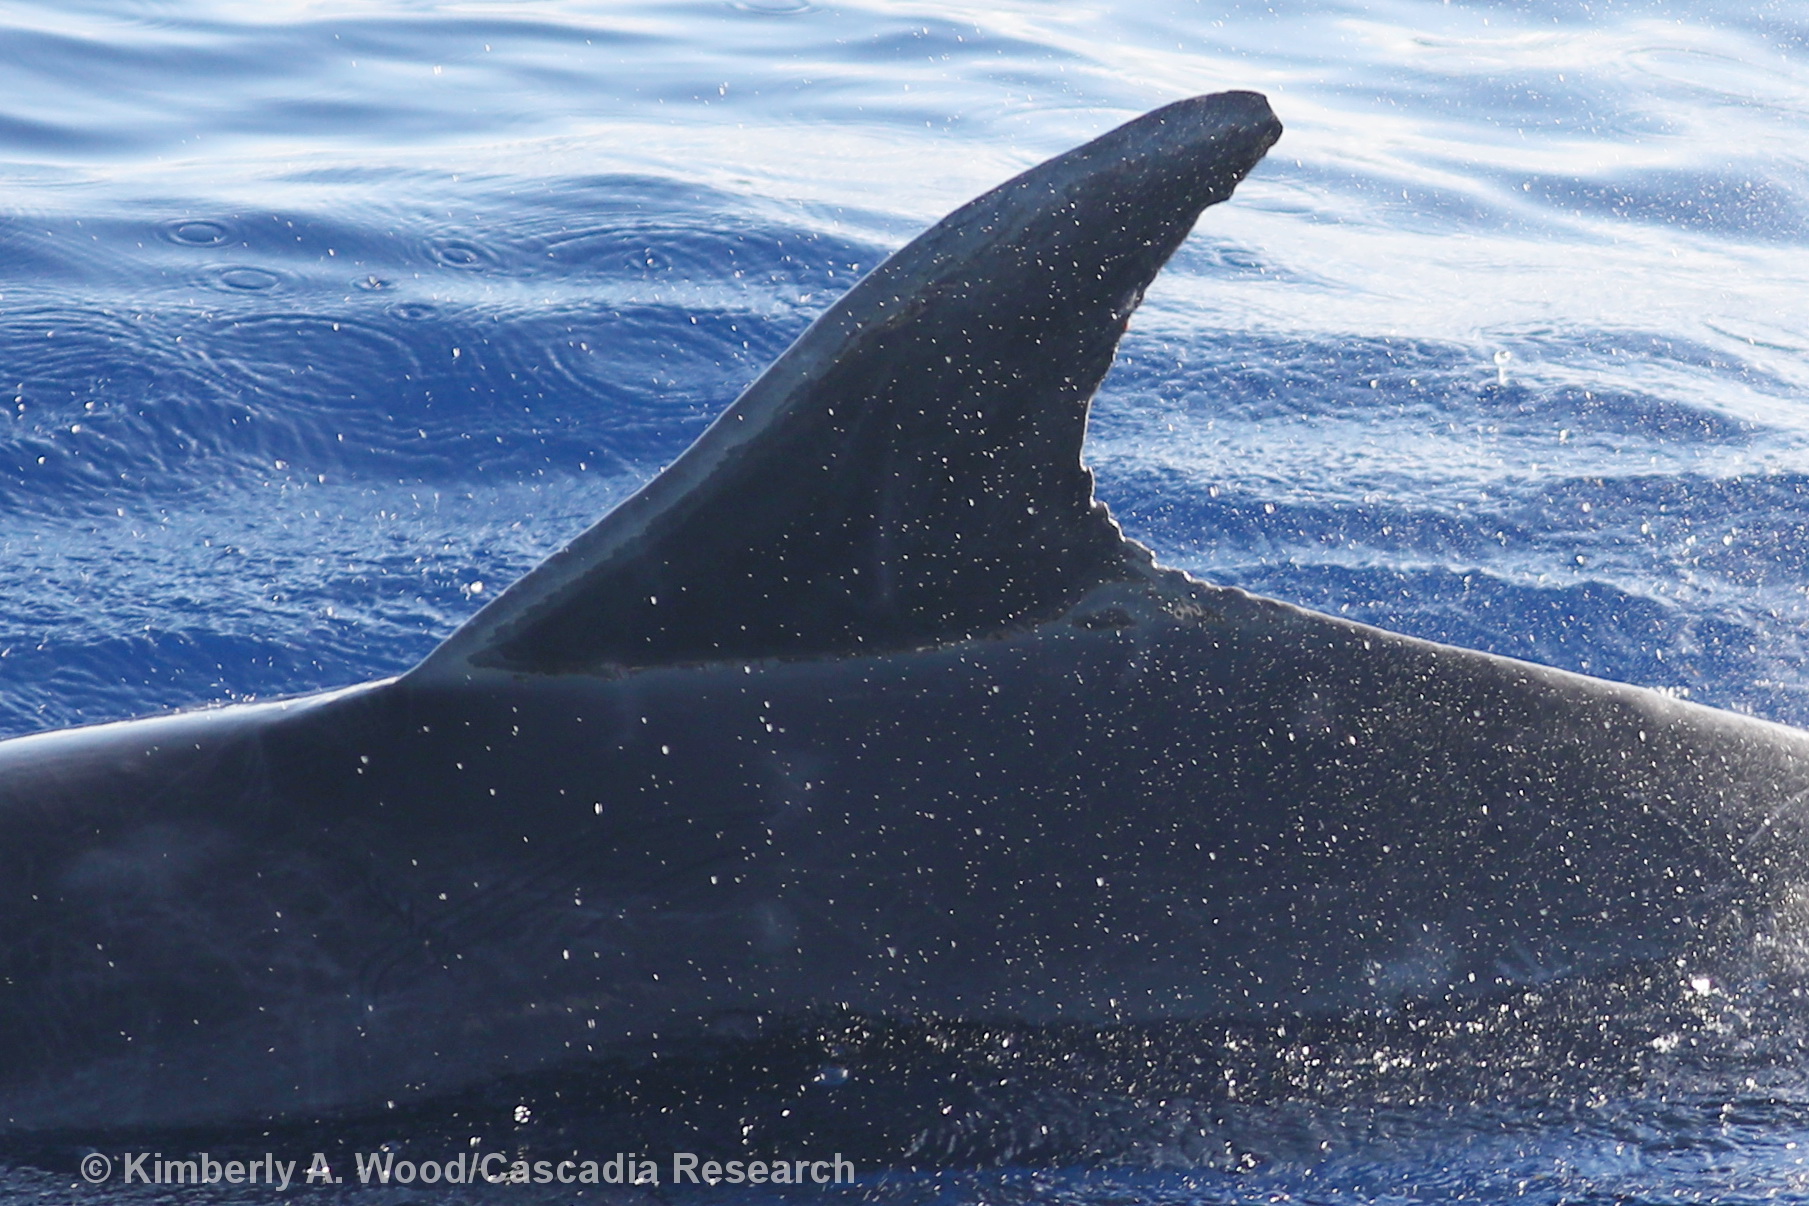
864 702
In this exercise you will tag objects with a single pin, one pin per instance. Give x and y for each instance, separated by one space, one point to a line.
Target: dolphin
867 703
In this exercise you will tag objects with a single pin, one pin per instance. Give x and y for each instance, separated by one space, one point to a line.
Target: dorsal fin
908 472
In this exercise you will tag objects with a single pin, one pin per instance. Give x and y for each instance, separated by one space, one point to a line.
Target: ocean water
320 322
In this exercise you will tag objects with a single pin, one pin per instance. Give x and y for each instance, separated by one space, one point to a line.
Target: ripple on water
196 232
413 311
242 278
463 254
773 8
1726 77
1735 200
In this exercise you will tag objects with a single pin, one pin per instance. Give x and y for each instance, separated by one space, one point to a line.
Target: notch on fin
908 472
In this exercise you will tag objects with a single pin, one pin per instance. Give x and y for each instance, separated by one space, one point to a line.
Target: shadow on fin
908 472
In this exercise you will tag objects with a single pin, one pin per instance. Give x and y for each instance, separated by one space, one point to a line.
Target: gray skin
865 702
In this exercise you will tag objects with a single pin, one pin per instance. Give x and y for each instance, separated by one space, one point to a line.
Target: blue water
320 322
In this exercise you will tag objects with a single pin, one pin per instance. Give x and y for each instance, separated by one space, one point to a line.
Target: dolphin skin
864 703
